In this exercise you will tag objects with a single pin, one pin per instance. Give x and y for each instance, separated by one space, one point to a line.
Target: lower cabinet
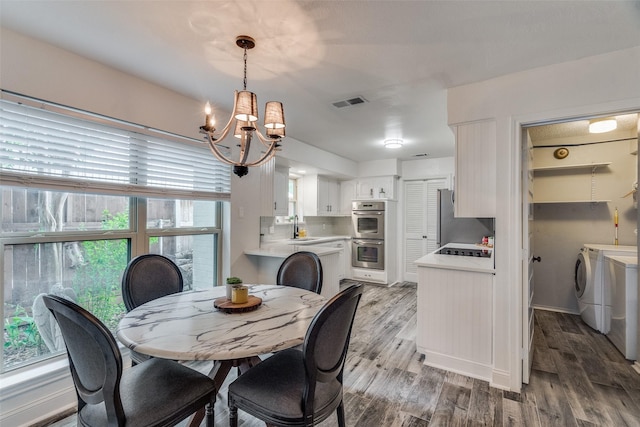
454 320
268 263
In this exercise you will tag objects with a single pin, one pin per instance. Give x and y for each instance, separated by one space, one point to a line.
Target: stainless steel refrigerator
459 230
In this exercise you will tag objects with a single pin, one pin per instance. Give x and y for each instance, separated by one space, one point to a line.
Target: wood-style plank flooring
578 377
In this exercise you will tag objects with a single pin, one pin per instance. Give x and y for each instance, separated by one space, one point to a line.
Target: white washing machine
589 281
621 317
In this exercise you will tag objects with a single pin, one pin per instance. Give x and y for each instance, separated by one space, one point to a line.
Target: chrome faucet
295 227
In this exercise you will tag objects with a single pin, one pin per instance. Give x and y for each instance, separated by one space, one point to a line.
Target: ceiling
399 56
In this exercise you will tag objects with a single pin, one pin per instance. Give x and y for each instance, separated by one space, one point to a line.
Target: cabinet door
365 189
475 179
267 173
281 192
324 202
347 194
333 187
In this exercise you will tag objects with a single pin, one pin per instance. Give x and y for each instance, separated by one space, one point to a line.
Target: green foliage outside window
97 280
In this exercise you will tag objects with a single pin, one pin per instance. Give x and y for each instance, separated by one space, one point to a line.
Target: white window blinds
74 151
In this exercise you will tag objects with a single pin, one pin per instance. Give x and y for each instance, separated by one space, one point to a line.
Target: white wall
385 167
428 168
590 86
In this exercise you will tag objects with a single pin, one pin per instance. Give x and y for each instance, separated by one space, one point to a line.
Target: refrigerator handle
438 219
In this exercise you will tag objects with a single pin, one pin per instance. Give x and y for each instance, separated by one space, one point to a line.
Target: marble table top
186 326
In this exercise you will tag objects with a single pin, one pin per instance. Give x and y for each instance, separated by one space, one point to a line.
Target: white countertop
284 250
455 262
627 261
303 241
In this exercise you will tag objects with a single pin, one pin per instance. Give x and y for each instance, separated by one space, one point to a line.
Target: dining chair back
148 277
157 393
302 387
301 270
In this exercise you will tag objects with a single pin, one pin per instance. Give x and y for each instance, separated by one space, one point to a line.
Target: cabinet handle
536 258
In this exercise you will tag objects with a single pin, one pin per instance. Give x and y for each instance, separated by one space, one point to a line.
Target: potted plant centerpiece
230 282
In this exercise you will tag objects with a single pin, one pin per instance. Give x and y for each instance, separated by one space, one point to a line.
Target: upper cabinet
281 192
475 176
274 190
321 196
376 187
347 195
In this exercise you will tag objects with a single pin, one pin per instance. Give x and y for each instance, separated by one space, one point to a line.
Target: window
81 196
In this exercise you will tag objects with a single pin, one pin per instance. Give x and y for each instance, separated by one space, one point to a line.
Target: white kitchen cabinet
341 265
475 175
274 189
376 187
455 320
321 196
267 177
347 195
281 192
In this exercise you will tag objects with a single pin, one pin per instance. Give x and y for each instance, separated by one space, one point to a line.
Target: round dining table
186 326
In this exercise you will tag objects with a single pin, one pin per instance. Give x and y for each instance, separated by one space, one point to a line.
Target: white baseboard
457 365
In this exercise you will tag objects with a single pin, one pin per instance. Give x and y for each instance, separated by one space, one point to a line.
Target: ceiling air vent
349 102
421 155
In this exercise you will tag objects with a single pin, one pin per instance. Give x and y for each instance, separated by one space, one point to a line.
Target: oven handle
363 242
368 213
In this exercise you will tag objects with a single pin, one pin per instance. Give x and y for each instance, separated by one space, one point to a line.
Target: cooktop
481 253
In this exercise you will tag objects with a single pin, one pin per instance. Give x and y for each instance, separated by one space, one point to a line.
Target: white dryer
621 317
589 281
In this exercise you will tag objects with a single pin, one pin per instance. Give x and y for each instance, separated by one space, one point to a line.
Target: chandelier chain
245 68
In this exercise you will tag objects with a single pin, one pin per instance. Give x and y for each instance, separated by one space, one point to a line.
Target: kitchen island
455 312
269 258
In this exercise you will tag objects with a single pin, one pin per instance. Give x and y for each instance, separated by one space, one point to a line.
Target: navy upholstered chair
155 393
301 270
302 387
146 278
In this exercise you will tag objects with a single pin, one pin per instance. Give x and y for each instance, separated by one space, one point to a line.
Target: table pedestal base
219 373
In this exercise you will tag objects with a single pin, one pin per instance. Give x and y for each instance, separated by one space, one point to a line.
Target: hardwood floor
578 377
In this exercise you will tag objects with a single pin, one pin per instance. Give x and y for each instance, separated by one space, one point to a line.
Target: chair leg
340 412
210 416
233 414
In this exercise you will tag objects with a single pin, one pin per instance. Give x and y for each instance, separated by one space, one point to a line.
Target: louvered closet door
420 222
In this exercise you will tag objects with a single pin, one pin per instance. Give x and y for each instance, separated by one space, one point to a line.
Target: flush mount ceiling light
393 143
604 124
243 122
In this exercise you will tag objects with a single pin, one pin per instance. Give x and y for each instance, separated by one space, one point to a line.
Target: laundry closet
583 185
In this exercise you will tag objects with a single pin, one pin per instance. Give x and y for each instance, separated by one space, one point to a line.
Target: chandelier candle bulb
207 119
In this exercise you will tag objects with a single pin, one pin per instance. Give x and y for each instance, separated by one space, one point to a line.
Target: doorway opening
573 182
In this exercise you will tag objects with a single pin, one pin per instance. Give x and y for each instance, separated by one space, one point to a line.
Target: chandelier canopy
243 123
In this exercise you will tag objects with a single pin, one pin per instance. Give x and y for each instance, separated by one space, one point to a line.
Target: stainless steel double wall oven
368 231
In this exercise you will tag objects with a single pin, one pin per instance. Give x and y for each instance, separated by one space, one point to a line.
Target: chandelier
243 122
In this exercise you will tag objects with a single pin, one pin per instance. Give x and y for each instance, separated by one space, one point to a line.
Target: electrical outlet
323 227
